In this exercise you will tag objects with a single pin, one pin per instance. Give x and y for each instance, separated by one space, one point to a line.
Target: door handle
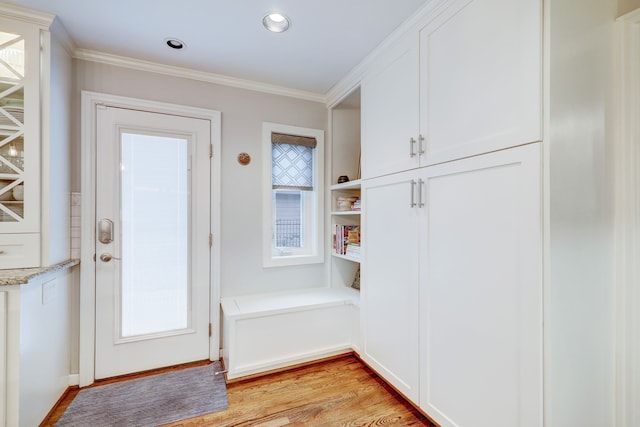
105 231
420 185
107 257
412 143
413 193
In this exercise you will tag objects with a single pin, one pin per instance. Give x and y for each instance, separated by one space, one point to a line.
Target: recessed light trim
276 22
175 43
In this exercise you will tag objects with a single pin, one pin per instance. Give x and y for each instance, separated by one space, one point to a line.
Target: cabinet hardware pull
1 252
421 145
412 143
413 190
420 202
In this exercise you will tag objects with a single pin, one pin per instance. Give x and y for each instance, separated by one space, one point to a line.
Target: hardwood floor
335 392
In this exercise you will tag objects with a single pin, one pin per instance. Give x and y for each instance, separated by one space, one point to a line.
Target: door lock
105 231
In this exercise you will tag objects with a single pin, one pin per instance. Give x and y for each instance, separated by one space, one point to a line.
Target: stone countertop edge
21 276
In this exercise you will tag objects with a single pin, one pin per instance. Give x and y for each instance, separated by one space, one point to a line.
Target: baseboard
290 367
288 363
74 379
395 389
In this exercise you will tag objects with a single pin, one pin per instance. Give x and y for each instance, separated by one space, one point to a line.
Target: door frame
89 102
627 221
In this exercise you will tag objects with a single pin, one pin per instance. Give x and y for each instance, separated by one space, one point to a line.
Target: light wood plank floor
336 392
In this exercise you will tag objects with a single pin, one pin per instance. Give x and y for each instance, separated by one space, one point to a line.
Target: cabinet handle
413 191
420 185
1 252
412 143
421 145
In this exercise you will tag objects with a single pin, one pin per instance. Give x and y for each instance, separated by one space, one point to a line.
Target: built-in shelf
346 212
348 258
349 185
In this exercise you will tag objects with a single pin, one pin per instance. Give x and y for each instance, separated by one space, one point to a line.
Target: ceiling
326 40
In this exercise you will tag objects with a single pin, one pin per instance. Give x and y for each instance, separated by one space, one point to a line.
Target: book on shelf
346 236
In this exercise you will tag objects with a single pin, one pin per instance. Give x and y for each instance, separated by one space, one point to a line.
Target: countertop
20 276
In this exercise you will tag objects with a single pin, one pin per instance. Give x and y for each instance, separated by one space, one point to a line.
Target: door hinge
210 329
210 240
210 151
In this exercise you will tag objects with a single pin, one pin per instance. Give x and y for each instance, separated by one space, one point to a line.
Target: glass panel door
12 79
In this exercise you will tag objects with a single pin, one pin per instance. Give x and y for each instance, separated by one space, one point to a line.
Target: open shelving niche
345 160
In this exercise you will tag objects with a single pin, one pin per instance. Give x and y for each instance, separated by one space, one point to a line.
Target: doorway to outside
151 298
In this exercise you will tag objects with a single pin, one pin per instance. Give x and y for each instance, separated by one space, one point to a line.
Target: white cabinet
36 343
481 291
19 142
480 78
390 112
391 226
469 83
35 88
452 307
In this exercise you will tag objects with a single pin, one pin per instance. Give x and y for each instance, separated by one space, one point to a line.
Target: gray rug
149 401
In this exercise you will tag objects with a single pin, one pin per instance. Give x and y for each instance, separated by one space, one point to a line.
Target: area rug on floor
149 401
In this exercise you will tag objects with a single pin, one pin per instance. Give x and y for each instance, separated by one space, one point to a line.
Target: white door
481 78
391 225
152 244
390 113
481 291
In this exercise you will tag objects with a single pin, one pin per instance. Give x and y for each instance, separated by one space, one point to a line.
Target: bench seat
264 332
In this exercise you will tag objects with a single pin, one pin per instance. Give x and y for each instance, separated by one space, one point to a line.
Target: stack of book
356 205
346 240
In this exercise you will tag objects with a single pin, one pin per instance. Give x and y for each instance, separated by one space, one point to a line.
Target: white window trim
316 254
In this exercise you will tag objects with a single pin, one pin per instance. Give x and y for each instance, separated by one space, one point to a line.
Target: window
293 195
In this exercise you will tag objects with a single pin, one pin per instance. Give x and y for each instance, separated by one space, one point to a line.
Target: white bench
264 332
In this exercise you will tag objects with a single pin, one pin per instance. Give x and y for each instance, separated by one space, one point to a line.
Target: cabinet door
19 128
390 279
390 103
480 78
481 292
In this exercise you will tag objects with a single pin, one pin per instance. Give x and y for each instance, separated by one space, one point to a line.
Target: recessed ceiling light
276 22
175 44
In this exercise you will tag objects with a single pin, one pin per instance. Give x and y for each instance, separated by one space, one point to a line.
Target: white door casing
627 205
90 103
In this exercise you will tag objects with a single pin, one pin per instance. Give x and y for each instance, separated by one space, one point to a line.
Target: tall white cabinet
481 290
452 302
35 88
390 292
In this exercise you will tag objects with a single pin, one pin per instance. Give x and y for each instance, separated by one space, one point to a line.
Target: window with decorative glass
293 195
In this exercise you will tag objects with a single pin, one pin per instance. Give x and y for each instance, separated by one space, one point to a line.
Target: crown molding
59 32
42 19
416 21
154 67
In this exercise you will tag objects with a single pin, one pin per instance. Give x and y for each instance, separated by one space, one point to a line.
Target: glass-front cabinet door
19 128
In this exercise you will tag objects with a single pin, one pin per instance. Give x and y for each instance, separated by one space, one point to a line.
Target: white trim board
153 67
87 272
627 206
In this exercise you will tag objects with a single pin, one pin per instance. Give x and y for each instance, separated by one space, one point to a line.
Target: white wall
243 112
581 288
